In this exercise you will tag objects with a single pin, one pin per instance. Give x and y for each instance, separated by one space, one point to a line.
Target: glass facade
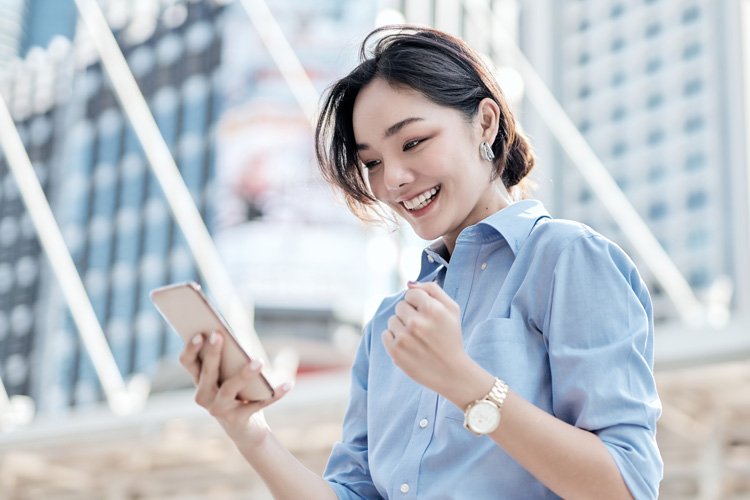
111 208
28 89
643 78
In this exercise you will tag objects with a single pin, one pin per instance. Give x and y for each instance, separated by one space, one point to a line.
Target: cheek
375 180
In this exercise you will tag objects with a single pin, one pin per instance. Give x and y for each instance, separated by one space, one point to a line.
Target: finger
189 357
406 312
231 387
434 291
418 298
396 327
208 380
389 341
246 409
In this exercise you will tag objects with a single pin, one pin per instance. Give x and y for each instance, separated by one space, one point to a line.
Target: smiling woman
519 363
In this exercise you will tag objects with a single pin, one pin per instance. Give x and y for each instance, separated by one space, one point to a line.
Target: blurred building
654 87
111 210
35 90
25 24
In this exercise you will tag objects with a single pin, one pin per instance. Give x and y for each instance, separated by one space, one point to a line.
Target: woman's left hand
424 338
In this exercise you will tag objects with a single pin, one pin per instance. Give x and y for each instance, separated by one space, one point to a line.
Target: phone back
189 313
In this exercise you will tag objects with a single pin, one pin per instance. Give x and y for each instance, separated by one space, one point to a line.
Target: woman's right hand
243 421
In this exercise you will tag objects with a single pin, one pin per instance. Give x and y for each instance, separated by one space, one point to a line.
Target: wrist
471 382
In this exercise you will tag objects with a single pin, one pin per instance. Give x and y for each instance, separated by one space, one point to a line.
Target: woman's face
423 160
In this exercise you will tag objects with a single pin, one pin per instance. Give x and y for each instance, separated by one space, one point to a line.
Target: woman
519 363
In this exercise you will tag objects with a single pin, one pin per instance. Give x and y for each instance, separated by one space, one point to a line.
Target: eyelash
409 145
415 143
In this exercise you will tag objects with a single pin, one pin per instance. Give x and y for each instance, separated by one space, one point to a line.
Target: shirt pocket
499 345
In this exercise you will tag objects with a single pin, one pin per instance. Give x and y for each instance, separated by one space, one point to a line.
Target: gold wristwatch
483 415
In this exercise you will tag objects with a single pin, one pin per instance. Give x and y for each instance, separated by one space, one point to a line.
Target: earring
486 151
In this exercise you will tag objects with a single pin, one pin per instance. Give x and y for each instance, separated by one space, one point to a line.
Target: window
26 271
691 51
21 319
618 114
653 30
698 239
695 161
4 325
8 231
694 124
619 150
6 279
618 79
691 14
654 65
656 173
655 137
692 87
617 11
654 101
657 211
697 200
699 277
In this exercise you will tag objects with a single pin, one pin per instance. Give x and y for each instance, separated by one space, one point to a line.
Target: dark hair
447 72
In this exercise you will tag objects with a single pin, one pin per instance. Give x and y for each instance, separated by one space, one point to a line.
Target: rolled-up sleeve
599 333
348 470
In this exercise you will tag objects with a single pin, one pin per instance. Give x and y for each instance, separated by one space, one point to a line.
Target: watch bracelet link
498 393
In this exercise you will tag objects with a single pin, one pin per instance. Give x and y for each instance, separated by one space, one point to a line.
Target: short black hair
441 67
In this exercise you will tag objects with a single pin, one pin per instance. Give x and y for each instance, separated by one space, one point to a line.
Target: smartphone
187 309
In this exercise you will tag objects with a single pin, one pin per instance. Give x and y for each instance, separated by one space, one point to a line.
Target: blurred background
149 142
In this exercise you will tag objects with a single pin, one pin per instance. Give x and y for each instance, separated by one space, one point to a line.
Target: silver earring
486 151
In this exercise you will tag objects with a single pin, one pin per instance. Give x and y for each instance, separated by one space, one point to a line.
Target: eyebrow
392 130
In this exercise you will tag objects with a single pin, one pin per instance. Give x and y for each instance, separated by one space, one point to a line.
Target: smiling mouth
421 200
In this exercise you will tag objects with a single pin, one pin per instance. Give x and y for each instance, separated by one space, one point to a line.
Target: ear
488 116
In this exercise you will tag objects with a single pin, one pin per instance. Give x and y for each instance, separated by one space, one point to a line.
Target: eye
412 144
370 164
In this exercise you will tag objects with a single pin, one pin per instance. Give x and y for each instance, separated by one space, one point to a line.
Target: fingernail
255 365
287 386
198 339
412 283
248 370
213 338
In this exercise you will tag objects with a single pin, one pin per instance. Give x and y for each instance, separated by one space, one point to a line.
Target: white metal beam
285 58
593 171
165 169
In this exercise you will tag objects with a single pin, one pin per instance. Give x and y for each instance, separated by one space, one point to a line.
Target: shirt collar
514 223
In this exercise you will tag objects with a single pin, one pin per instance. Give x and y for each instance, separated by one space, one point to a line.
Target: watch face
483 417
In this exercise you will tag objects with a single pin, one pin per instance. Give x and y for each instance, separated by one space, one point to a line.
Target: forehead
380 104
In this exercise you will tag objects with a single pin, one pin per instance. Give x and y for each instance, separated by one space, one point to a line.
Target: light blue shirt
551 307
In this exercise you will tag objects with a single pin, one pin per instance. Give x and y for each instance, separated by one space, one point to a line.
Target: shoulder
553 240
553 236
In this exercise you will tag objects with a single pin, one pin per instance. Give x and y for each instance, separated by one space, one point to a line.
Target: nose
396 175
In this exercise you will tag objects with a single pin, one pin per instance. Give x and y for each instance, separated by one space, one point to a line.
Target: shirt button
484 266
423 423
430 259
404 488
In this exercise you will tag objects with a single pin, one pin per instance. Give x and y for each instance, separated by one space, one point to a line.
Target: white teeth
421 200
